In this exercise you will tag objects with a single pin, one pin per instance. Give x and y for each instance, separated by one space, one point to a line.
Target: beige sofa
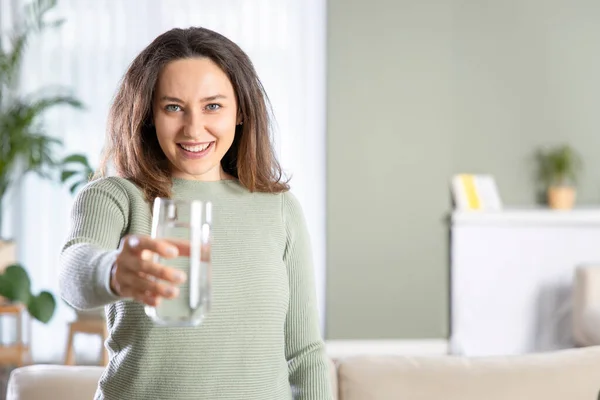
567 374
586 305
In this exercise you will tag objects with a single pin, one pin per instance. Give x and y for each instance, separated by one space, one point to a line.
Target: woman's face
195 115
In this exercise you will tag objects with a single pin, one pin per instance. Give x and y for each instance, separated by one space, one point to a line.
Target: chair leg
20 341
103 349
70 355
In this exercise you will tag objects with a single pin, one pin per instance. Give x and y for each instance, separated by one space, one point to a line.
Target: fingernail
133 241
172 251
180 276
172 291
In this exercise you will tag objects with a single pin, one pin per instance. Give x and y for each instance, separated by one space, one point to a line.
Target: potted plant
25 148
558 172
15 286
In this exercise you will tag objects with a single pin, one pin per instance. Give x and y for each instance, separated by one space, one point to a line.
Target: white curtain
90 53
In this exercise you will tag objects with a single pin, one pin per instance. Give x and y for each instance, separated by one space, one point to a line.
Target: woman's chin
198 172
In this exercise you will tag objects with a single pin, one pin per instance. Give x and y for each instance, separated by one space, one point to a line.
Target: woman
190 120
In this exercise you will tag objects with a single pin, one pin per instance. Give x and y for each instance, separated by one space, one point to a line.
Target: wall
419 90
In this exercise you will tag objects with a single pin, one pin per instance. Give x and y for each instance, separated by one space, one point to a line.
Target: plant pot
561 197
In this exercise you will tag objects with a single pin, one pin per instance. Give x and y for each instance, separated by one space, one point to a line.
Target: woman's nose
194 125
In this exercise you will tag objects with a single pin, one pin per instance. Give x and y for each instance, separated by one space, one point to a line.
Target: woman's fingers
162 272
137 276
132 284
135 244
183 246
146 298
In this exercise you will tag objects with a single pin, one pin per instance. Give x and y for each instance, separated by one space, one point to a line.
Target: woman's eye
213 107
172 108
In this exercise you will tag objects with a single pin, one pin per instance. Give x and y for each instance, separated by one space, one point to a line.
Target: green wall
419 90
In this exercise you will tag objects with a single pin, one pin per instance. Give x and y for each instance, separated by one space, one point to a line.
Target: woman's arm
98 221
305 350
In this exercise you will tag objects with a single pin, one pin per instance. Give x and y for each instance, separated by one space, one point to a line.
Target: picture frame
475 192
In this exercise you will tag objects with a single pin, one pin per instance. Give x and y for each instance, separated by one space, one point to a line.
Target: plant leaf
558 165
76 158
74 187
10 62
20 138
55 24
42 306
42 104
15 284
65 175
22 142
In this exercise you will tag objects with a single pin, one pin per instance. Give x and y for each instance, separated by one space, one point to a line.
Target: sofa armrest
53 382
586 303
61 382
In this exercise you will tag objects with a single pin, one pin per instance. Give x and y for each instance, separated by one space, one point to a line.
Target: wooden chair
18 352
90 323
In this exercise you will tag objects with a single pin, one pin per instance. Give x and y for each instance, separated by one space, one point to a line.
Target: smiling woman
190 121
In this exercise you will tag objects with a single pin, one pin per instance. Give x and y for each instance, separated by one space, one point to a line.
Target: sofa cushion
333 378
572 374
590 325
53 382
59 382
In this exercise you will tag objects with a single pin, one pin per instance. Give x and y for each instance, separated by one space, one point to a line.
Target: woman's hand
135 275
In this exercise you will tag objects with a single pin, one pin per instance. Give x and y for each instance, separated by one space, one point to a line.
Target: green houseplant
15 286
558 173
24 145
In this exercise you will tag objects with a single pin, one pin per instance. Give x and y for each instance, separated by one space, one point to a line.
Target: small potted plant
558 172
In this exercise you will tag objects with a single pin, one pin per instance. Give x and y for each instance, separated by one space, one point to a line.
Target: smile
195 150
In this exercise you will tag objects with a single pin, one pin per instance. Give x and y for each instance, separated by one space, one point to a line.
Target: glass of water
188 223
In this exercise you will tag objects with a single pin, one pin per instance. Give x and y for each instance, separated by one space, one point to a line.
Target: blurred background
444 153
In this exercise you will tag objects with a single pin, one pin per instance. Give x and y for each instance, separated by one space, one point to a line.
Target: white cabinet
511 276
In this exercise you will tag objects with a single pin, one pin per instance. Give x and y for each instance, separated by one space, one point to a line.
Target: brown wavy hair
132 144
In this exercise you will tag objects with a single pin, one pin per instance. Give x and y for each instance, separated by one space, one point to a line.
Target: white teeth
196 149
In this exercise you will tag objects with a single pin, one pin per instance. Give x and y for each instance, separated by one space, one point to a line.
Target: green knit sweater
260 340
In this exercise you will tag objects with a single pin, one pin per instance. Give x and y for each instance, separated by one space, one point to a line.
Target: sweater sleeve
98 222
305 350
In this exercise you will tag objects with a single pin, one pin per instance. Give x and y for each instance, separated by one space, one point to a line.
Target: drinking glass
189 223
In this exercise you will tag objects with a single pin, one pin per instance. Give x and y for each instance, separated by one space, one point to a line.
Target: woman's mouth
195 150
